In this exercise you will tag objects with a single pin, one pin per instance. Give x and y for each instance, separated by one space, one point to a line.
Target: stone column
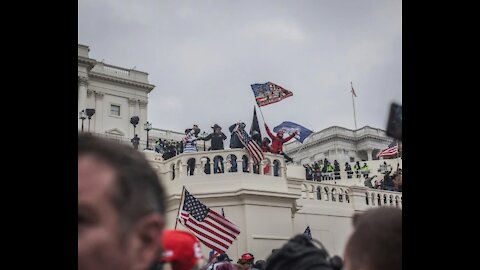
98 112
82 97
369 154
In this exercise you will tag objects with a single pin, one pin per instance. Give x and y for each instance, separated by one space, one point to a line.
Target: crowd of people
122 215
321 171
324 170
273 144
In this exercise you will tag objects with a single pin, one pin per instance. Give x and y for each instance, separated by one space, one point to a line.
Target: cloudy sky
202 57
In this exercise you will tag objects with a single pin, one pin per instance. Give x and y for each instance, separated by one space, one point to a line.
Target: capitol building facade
269 209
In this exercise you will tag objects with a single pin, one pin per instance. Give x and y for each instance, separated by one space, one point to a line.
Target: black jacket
217 140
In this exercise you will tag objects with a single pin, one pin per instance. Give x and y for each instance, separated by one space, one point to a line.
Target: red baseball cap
182 248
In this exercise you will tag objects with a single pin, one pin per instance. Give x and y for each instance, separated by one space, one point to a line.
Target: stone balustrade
358 197
176 167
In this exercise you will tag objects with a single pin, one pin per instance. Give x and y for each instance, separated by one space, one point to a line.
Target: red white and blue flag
268 93
391 150
254 150
211 228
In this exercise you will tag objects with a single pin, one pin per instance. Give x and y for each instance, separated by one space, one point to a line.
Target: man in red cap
181 251
246 260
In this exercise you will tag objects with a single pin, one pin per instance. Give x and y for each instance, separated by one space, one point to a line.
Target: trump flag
268 93
290 127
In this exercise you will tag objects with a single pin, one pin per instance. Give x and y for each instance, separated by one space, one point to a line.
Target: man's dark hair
137 190
376 242
300 253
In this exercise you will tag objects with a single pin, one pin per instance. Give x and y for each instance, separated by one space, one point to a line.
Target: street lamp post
82 115
148 127
134 121
90 113
203 135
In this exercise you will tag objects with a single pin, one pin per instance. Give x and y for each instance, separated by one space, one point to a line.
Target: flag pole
261 113
179 207
353 102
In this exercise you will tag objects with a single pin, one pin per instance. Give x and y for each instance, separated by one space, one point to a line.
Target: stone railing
360 197
119 72
375 197
177 166
325 192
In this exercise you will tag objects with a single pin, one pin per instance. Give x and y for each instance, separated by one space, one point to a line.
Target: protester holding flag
190 146
278 141
235 143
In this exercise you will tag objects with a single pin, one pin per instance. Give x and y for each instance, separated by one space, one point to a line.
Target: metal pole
147 139
89 125
353 102
82 124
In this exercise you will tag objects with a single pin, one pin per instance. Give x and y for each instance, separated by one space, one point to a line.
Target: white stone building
115 93
268 209
341 144
271 209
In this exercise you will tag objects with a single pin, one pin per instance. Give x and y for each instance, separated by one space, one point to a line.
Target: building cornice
145 86
88 62
342 137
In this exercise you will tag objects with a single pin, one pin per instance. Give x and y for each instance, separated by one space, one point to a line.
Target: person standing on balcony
235 143
336 169
349 171
357 169
190 146
316 171
135 141
217 138
330 170
278 141
365 170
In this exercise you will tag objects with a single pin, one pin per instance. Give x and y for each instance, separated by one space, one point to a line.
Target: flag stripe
388 152
220 229
252 147
209 243
223 221
213 230
198 231
207 229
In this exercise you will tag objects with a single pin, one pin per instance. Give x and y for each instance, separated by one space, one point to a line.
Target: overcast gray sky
203 55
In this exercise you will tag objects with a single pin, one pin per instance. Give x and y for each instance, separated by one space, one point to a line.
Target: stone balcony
289 183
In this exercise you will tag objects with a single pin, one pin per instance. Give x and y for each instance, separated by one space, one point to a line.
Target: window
115 110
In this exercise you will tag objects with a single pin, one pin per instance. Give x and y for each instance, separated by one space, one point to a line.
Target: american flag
391 150
353 91
188 136
211 228
268 93
254 150
308 233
